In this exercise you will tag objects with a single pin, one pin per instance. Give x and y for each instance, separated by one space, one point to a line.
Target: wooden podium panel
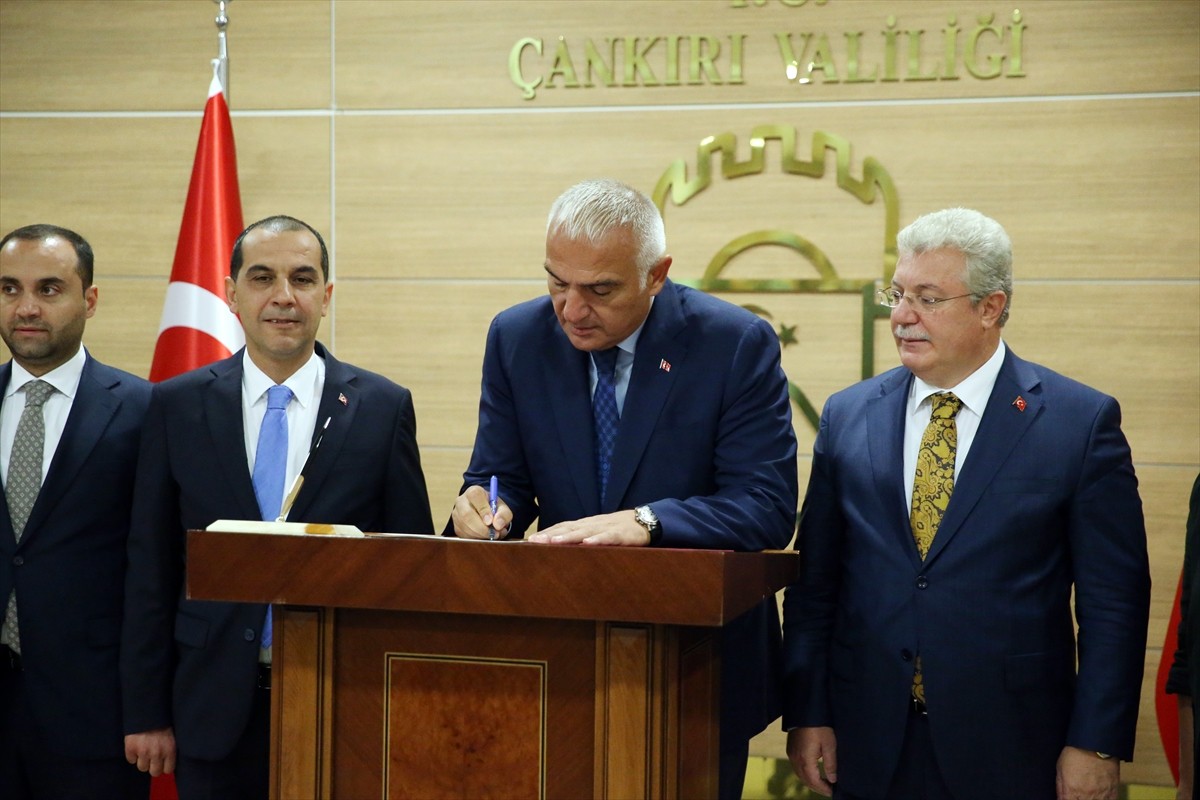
469 707
422 667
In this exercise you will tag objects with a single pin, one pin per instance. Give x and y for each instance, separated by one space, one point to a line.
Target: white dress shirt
306 384
65 379
973 391
625 353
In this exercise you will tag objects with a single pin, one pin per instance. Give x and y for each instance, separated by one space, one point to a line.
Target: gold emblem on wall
675 187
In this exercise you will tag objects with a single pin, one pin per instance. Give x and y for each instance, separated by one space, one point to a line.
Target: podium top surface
517 579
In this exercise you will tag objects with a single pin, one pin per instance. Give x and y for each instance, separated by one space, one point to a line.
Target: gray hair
981 239
592 209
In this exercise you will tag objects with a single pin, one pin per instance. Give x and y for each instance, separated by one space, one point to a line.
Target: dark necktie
607 418
932 487
25 481
270 466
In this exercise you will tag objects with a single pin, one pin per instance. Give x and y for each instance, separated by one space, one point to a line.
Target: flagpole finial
221 62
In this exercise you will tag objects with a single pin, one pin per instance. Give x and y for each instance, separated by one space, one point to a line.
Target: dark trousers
733 769
244 774
917 776
32 769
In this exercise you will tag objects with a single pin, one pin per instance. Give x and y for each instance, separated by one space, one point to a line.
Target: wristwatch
646 517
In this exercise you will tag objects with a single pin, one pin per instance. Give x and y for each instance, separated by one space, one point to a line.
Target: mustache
910 332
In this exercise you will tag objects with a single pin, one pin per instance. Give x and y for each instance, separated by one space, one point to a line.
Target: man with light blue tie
624 409
226 441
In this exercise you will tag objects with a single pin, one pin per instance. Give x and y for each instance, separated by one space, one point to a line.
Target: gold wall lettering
982 49
627 62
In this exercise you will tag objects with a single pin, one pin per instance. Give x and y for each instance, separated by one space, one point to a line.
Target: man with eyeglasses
954 504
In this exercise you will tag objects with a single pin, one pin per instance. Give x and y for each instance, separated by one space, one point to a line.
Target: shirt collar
64 378
629 343
302 382
973 391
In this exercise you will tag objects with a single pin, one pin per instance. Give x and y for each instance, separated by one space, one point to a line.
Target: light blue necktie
607 418
270 466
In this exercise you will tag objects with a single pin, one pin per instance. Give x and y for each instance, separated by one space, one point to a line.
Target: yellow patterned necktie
932 486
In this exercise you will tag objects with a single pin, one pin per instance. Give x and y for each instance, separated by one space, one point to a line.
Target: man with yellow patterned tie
954 504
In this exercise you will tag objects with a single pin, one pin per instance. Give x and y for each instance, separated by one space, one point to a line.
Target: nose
28 306
283 295
904 314
575 309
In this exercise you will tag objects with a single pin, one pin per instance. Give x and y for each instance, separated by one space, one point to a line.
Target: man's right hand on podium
472 516
152 751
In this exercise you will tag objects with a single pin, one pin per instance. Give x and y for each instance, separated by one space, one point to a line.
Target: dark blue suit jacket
1046 501
705 437
69 568
193 664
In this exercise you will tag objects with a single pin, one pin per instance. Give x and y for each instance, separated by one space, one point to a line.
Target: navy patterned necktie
604 410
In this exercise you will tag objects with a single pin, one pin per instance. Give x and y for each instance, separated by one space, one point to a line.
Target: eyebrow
10 280
597 284
918 287
290 271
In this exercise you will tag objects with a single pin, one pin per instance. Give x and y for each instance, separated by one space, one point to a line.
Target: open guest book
283 528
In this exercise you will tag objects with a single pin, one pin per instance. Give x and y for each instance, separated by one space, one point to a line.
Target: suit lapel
565 378
649 386
222 399
885 416
91 412
339 404
1000 430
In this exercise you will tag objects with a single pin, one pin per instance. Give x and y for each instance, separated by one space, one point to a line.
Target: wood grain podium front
427 667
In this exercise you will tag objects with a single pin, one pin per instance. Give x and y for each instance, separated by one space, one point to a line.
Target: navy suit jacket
1046 501
705 437
193 664
69 568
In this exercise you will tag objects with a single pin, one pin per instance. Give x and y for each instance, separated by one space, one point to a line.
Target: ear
658 275
325 301
231 294
91 296
991 307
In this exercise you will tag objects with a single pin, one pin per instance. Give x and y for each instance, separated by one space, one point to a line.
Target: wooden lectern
427 667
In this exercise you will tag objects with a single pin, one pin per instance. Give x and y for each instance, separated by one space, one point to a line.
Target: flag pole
221 62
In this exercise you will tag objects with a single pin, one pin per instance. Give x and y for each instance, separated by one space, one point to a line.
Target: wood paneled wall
395 128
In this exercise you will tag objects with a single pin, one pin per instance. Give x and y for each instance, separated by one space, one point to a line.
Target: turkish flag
197 326
1166 705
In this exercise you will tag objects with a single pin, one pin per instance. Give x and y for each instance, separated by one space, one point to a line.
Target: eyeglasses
892 298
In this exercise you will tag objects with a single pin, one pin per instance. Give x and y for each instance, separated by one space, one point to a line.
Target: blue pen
493 502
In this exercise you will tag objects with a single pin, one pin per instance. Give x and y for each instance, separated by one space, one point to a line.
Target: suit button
18 561
906 654
922 582
248 634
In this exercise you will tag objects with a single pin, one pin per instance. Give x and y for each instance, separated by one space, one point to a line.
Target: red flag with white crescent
1165 705
197 326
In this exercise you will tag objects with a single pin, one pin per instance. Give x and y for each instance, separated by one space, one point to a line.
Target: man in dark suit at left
69 429
196 674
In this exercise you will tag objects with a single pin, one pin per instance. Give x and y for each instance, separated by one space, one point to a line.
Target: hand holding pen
493 506
480 513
